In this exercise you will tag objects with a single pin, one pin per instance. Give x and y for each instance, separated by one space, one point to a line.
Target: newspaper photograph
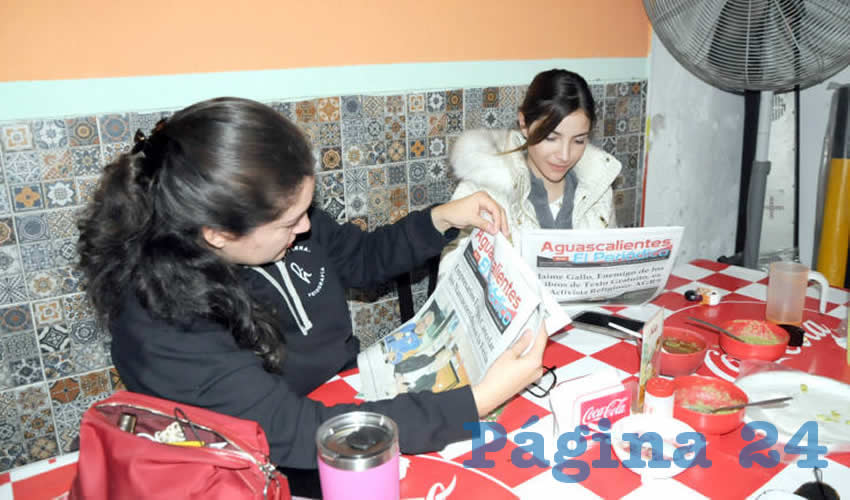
625 266
479 308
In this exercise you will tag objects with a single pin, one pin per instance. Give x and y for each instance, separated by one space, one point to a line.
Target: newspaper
627 266
480 307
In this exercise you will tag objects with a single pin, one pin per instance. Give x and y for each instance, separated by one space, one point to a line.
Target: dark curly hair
228 164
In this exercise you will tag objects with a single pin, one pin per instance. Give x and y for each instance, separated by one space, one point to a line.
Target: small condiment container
658 399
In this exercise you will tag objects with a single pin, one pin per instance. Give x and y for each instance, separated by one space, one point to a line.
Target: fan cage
755 44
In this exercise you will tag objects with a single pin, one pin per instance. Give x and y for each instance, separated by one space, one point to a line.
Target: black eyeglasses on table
541 387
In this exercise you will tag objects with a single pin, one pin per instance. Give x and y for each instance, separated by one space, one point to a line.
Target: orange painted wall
50 39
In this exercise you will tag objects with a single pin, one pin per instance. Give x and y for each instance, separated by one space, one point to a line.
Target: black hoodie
201 365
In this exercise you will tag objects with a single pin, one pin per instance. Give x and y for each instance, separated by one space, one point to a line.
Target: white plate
667 427
822 397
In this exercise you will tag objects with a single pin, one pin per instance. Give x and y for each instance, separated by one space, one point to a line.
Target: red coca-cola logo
613 411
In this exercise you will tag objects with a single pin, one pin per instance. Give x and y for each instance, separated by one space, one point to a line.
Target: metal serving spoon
753 403
717 328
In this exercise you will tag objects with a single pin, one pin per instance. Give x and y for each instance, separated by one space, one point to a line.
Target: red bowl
754 328
673 364
711 392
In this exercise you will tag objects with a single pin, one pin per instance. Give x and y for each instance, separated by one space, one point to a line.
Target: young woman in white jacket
546 174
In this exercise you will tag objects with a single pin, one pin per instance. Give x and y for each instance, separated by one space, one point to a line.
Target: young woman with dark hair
224 289
546 174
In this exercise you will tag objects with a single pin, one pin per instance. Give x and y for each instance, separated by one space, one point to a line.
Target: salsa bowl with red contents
682 351
763 340
695 396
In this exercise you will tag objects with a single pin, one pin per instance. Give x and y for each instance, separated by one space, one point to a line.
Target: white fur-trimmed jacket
477 161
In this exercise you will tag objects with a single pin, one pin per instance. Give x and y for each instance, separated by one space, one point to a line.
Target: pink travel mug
358 457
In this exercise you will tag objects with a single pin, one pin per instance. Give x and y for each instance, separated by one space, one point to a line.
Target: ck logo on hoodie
305 275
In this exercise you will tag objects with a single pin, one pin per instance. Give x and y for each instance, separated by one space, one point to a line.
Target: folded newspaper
482 304
627 266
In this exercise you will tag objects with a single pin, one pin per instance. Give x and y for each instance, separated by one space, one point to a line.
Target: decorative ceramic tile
76 307
62 223
373 129
37 424
26 371
67 435
60 194
55 337
27 197
454 100
82 131
353 131
437 124
5 204
19 345
64 391
22 167
395 127
12 289
56 164
144 122
65 252
418 196
611 90
417 148
436 169
115 382
622 144
115 128
473 119
305 111
32 228
435 101
417 126
454 122
12 454
284 108
58 364
350 107
95 384
10 262
85 189
415 103
87 160
511 96
440 191
353 156
396 151
376 152
329 134
373 106
49 134
356 206
330 194
624 205
356 181
111 152
377 177
327 109
7 232
15 319
490 97
17 137
331 159
394 105
436 146
397 174
43 284
89 357
42 448
378 208
36 256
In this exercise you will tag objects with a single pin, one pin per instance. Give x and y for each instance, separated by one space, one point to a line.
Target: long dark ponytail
227 164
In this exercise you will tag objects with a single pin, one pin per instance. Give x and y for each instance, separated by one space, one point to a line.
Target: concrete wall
694 157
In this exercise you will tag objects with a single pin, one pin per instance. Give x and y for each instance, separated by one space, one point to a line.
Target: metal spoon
754 403
717 328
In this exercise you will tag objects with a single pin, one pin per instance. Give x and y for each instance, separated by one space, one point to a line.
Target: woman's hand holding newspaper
466 212
511 372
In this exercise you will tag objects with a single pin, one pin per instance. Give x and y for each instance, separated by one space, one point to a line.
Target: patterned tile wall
377 158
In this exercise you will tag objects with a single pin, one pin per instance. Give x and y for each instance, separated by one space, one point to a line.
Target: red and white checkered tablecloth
577 352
